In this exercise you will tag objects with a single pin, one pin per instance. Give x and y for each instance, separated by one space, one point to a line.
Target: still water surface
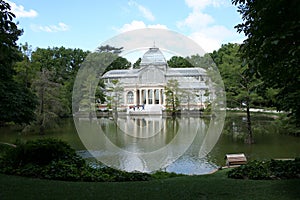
142 134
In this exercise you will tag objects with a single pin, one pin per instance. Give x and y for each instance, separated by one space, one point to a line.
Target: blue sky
86 24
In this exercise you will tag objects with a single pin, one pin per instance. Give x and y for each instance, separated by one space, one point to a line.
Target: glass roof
185 72
153 56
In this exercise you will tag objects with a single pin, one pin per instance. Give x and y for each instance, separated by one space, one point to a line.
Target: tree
25 71
172 93
17 101
241 88
109 49
94 66
50 104
271 49
204 61
179 62
63 65
118 63
136 65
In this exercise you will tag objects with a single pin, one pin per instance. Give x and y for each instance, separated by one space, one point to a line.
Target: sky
86 24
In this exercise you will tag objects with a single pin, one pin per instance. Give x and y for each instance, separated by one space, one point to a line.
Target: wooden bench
235 159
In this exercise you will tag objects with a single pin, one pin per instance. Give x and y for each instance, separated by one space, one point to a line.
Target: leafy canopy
17 101
272 48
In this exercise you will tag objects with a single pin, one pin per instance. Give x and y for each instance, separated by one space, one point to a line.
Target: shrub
42 152
273 169
4 148
162 175
55 159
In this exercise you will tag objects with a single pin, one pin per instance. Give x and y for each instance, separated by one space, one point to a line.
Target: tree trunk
249 139
42 114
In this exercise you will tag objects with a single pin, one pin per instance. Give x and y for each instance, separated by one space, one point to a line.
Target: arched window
130 97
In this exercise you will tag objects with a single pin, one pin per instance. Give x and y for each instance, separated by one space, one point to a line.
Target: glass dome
154 57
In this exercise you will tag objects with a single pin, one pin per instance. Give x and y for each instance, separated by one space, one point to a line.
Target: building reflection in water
145 143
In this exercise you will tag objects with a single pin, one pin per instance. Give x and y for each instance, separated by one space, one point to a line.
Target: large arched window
130 97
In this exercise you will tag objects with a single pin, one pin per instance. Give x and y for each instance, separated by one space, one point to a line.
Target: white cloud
143 10
203 27
202 4
207 43
196 20
51 28
139 25
211 38
20 11
218 32
160 26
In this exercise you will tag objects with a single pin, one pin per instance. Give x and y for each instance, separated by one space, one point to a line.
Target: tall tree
179 62
17 103
204 61
241 88
25 71
272 48
95 64
109 49
173 94
63 64
136 65
50 104
118 63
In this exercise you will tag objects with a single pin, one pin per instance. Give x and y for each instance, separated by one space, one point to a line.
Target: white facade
145 87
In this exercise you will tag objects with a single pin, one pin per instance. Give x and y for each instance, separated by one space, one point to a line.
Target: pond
175 145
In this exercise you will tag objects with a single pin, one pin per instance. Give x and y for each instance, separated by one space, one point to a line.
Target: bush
273 169
4 148
54 159
163 175
42 152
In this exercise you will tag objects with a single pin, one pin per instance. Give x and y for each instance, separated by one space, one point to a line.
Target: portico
145 96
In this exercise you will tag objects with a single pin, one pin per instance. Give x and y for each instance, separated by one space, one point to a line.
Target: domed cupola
153 57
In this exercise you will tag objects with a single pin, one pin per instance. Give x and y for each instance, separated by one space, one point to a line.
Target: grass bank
214 186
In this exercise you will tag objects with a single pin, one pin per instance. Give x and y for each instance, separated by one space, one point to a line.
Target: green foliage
52 103
272 47
62 65
172 93
179 62
286 125
118 63
207 110
136 65
163 175
109 49
41 152
55 159
94 66
213 187
203 62
4 148
25 72
274 169
240 87
9 34
17 101
115 96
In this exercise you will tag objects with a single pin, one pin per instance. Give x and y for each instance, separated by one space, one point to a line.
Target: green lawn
215 186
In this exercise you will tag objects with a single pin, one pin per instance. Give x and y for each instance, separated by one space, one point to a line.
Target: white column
164 98
153 96
134 97
159 96
146 90
140 97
